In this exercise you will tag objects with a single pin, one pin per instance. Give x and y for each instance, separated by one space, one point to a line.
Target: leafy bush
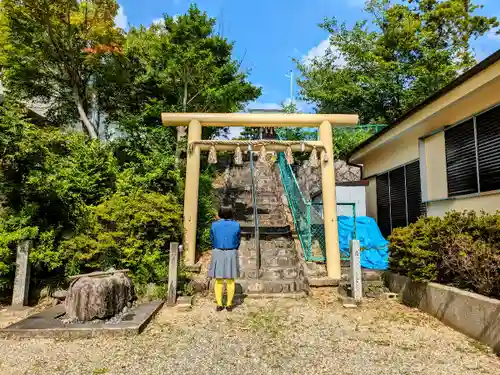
462 249
127 232
347 139
206 210
88 204
8 242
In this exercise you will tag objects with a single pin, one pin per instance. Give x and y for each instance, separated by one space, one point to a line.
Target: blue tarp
374 251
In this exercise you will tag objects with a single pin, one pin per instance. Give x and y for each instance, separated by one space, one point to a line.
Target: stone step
249 286
264 220
280 261
279 273
318 270
263 287
270 273
250 260
269 253
271 250
277 210
295 295
249 273
248 227
322 282
269 240
245 200
268 269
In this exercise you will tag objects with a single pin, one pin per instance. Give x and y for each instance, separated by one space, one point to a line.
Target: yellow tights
219 291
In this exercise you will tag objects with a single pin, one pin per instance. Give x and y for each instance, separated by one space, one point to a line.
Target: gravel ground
314 335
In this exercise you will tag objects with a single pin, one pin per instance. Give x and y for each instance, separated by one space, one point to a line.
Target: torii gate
195 121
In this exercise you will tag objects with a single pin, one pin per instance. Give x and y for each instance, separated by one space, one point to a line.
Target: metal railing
308 216
255 212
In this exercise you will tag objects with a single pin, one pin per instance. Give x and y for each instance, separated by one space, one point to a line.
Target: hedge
462 249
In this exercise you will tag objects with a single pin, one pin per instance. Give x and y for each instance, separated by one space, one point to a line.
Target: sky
269 34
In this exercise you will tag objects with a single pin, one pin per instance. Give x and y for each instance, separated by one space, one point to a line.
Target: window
472 157
414 193
488 149
399 197
383 204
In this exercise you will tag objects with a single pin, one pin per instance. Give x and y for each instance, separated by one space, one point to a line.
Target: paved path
314 336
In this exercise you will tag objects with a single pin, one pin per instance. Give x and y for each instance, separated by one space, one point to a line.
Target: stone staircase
280 273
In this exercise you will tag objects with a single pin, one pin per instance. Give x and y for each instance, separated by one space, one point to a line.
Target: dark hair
226 212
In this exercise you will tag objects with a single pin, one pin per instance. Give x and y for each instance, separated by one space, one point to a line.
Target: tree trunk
181 130
89 128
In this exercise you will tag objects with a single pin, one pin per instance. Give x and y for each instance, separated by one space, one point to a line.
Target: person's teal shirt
225 234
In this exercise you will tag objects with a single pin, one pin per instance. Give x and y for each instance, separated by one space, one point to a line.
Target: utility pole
292 96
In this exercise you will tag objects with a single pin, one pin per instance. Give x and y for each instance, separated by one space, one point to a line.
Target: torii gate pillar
330 203
191 193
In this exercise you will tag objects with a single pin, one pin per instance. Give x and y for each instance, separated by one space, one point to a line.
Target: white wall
349 194
352 194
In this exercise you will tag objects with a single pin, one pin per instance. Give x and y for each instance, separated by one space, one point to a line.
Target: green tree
414 48
346 139
52 52
179 65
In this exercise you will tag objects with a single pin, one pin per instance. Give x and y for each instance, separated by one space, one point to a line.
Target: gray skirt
225 264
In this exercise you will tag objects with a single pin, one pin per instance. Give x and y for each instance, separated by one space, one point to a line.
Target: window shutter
383 205
488 148
398 197
461 166
414 192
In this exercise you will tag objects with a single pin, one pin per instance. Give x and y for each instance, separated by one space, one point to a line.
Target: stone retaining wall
309 178
475 315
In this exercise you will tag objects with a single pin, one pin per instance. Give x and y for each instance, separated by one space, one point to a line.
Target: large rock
101 297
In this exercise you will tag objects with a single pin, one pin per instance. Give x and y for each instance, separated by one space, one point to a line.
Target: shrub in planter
462 249
472 264
414 250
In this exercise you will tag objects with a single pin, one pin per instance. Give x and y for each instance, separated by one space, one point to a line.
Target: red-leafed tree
53 52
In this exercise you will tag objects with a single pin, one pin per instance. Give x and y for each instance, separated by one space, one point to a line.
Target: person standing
225 235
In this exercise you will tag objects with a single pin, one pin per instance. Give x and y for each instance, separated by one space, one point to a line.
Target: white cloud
121 19
319 51
161 20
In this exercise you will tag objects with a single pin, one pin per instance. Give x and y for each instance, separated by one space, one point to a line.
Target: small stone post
173 266
356 275
22 278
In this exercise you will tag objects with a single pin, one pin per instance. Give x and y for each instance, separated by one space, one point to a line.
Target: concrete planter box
475 315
